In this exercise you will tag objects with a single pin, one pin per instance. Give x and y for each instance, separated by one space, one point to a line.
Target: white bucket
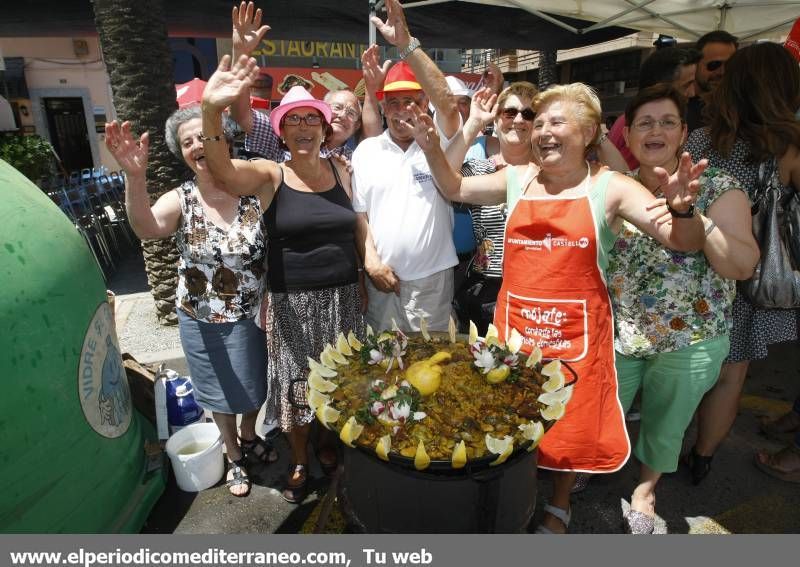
196 455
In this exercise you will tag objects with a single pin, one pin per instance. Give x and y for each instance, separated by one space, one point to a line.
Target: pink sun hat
297 97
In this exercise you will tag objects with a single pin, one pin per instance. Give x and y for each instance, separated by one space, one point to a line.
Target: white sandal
560 514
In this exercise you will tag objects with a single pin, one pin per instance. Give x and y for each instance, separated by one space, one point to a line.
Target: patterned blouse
488 226
666 300
219 272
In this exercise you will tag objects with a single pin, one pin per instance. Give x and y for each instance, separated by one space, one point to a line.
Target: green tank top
597 202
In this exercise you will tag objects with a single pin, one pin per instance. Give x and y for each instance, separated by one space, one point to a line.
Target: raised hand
374 72
130 153
228 83
484 106
493 78
680 189
395 29
424 130
247 29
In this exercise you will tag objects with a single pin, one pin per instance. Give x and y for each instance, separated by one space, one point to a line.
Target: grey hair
329 95
184 115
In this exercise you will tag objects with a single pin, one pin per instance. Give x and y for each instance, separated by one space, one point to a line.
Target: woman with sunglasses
312 261
672 310
513 120
561 226
751 122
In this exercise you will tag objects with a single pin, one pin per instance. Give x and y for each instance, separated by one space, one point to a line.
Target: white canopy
687 19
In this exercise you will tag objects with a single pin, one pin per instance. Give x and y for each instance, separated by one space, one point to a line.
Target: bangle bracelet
711 226
204 138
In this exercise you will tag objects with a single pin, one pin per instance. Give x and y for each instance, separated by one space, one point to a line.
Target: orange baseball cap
399 78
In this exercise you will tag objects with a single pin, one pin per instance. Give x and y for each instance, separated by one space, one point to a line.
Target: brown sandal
296 493
772 464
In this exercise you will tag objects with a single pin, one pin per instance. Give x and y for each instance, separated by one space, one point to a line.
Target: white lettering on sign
549 242
559 327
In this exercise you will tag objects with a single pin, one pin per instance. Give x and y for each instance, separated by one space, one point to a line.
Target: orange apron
555 295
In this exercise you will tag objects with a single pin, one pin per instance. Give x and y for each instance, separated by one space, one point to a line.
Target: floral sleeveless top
220 273
666 300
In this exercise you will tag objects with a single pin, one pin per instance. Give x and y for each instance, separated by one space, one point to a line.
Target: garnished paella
437 398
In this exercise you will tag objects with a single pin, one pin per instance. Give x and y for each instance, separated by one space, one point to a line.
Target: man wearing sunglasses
716 48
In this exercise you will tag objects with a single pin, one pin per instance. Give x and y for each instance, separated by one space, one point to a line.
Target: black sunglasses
714 65
511 113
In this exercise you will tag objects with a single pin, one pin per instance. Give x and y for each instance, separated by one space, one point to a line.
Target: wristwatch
412 45
689 213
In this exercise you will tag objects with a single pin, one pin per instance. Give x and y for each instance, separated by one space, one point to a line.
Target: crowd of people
637 236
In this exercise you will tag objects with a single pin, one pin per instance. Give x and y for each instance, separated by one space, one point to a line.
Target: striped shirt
488 225
265 142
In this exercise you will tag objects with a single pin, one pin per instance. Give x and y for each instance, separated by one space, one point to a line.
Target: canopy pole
608 20
665 19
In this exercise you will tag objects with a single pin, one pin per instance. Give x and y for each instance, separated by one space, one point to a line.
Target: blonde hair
583 97
521 89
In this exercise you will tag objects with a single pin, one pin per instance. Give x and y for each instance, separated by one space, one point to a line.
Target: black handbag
776 227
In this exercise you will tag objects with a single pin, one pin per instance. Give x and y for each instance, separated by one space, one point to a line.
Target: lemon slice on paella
389 392
343 346
317 382
533 432
554 412
459 458
327 360
321 369
369 331
423 328
500 447
561 396
497 375
514 342
452 329
327 415
492 335
383 447
337 356
421 458
551 368
534 358
353 341
473 333
556 382
315 398
350 431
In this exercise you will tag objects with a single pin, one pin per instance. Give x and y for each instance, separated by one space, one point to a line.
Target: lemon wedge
317 382
532 431
459 458
316 398
321 369
497 375
501 447
561 396
452 329
554 412
551 368
421 458
383 447
423 328
327 360
370 332
337 356
350 431
492 335
389 392
327 414
534 357
556 382
473 333
355 344
514 342
343 346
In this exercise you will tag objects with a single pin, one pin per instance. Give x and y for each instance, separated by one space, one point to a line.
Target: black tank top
310 238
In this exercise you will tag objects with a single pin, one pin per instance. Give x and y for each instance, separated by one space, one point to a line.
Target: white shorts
430 297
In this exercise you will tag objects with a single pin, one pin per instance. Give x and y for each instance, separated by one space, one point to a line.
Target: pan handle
571 371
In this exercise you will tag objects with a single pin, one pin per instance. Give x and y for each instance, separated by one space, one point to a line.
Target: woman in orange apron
560 228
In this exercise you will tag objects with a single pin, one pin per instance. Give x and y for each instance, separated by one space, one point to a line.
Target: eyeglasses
309 119
511 113
714 65
646 124
351 112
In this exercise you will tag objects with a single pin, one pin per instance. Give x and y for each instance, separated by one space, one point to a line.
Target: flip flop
773 470
772 429
297 493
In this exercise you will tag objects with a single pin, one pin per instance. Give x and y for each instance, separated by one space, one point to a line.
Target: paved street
735 498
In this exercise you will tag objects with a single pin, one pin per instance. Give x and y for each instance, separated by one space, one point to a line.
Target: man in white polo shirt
405 225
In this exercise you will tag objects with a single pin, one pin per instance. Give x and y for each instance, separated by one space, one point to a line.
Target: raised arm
238 177
374 76
482 111
247 34
479 190
628 199
395 31
730 246
160 220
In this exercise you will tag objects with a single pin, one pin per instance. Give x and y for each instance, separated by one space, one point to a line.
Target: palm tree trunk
133 37
547 68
